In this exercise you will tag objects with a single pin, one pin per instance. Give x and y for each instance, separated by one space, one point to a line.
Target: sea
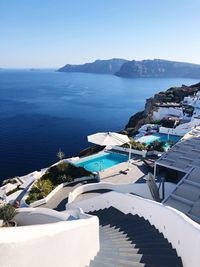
43 111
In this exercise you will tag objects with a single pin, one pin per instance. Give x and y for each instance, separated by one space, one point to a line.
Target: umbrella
110 138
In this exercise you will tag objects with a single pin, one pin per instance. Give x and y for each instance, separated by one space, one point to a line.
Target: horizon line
35 68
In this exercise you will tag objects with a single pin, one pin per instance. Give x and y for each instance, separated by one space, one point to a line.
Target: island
156 68
110 66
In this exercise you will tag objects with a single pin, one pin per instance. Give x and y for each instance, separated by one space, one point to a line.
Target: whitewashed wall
32 216
138 189
171 131
66 243
163 112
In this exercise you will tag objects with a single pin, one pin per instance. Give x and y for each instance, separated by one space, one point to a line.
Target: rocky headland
157 68
172 95
110 66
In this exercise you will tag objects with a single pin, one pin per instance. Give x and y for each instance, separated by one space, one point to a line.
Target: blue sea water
43 111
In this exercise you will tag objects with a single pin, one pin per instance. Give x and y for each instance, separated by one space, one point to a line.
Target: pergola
184 155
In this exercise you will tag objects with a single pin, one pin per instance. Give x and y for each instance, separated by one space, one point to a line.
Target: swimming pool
101 161
148 139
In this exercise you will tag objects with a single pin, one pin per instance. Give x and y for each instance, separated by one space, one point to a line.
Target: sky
52 33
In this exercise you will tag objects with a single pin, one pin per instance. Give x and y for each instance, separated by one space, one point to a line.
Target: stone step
129 240
138 259
111 230
115 225
101 263
143 245
113 221
134 250
148 259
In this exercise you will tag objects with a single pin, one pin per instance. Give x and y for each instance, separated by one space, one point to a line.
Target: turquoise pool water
102 162
148 139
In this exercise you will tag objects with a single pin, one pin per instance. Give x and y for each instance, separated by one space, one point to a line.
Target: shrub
7 213
33 197
189 111
64 172
60 173
39 190
136 145
157 122
64 178
156 145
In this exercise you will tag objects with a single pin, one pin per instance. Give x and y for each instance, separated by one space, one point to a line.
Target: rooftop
185 154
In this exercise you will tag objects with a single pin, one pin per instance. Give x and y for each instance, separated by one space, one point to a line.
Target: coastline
135 121
171 95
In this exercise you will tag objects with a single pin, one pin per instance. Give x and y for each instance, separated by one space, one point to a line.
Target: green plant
7 213
136 145
60 173
64 171
156 145
62 166
64 178
39 190
189 111
60 155
157 122
44 186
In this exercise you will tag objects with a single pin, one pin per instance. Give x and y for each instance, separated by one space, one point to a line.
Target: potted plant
7 213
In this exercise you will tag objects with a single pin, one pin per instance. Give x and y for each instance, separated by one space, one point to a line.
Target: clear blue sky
51 33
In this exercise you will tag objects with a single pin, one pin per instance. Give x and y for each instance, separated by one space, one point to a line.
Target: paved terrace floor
137 170
59 200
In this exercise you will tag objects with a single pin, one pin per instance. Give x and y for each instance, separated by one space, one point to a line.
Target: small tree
60 155
7 213
44 187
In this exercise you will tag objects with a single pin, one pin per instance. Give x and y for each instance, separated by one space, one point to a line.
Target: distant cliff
158 68
174 94
109 66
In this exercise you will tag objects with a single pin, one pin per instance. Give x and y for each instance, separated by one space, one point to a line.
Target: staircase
129 240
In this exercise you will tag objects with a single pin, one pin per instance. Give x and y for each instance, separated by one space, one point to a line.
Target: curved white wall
138 189
32 216
181 231
65 243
